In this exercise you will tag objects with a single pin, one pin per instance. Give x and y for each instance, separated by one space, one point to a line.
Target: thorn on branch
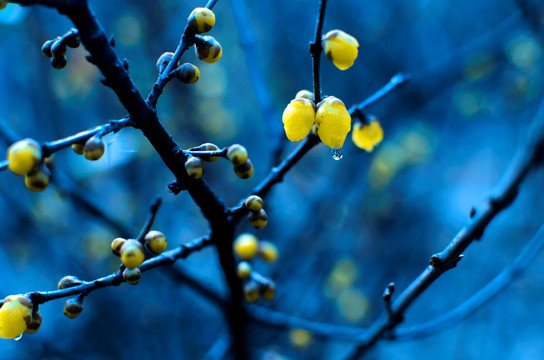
315 48
125 64
113 43
176 187
389 290
472 212
437 262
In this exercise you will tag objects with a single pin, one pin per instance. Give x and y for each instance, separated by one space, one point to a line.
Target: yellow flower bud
244 270
305 94
72 308
340 48
209 147
38 179
156 241
132 254
78 148
94 148
194 167
268 291
298 118
208 49
251 291
35 324
254 203
268 251
132 276
24 156
333 122
116 246
188 73
237 154
201 20
367 136
245 246
258 219
245 170
15 316
68 281
163 61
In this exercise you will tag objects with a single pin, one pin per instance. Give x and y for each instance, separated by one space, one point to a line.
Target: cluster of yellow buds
246 246
26 159
330 117
93 149
132 253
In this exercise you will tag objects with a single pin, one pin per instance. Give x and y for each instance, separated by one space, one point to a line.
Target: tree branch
502 196
316 49
166 258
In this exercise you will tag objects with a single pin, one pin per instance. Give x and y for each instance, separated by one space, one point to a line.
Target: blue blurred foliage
344 228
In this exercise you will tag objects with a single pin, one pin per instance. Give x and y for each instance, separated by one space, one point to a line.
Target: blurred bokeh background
345 229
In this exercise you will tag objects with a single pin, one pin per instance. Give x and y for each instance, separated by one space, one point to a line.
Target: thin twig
316 49
166 258
153 209
396 81
476 301
187 40
526 159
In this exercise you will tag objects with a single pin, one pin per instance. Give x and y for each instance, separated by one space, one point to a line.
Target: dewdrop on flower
15 316
333 122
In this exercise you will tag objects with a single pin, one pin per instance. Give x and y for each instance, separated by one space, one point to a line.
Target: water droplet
337 153
18 337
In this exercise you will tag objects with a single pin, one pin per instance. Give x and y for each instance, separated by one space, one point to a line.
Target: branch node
315 48
176 187
444 265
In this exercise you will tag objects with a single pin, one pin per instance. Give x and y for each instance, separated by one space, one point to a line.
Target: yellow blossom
298 118
15 315
333 122
367 136
340 48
